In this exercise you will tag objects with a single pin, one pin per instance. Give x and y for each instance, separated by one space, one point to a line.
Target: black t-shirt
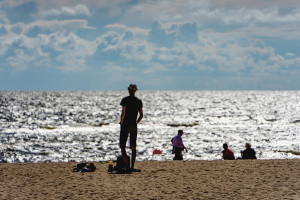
249 154
133 105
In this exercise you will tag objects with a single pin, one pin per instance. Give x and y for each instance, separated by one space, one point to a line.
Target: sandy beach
239 179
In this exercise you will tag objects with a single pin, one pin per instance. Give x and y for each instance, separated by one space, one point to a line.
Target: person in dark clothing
227 153
178 146
248 153
131 107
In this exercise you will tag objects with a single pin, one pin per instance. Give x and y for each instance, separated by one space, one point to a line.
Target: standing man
131 107
178 146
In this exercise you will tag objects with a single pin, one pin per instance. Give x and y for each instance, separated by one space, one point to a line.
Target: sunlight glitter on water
83 126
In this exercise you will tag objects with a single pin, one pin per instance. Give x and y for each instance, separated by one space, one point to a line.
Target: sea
83 126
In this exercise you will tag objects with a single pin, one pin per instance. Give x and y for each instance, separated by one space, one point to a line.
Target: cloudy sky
157 44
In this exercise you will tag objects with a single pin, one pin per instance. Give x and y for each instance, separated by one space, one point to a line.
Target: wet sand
238 179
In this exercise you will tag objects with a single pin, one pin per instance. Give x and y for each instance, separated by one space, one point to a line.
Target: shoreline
190 179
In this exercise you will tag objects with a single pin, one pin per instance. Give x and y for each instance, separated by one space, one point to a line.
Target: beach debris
271 120
183 124
296 121
156 151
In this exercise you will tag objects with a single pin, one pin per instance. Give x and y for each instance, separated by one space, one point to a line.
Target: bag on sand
84 167
120 167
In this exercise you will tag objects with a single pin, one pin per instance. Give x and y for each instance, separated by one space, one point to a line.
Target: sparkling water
48 126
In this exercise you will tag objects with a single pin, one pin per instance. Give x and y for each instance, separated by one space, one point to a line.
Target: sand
238 179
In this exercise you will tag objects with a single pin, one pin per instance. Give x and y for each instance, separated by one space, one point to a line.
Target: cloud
123 27
20 52
258 4
79 9
151 38
166 34
290 54
70 51
160 35
13 3
120 73
3 18
63 51
156 67
52 25
96 4
3 31
208 13
215 52
267 15
286 32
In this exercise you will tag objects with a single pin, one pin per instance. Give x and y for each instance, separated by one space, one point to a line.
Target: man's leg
133 137
178 154
123 140
125 159
133 157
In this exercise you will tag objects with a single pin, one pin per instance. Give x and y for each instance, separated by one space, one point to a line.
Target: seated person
227 153
178 146
248 153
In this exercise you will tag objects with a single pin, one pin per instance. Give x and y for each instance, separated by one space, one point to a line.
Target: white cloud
79 9
130 46
155 67
117 69
214 51
52 25
120 72
289 54
123 27
96 4
234 54
72 50
205 12
268 15
256 4
13 3
286 32
66 7
235 51
23 52
3 18
67 25
59 50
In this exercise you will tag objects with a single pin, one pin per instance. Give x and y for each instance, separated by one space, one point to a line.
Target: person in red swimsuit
227 153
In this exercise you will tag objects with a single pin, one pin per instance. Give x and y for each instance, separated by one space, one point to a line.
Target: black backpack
120 167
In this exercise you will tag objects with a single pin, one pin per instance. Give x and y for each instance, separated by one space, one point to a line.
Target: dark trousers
178 153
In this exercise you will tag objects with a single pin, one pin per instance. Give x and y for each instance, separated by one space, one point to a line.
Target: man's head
180 132
225 146
248 145
132 88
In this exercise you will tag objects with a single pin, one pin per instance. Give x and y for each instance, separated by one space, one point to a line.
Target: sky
156 44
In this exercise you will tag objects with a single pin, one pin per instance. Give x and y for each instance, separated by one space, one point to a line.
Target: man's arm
141 115
122 114
182 145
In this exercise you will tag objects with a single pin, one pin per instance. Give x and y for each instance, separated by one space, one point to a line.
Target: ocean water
47 126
